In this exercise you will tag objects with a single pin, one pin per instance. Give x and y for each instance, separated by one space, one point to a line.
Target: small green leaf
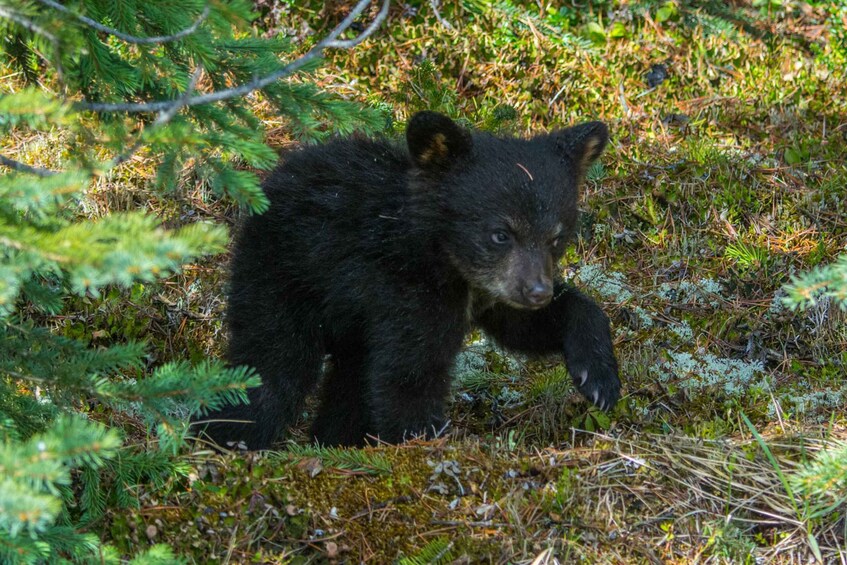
618 31
667 12
595 32
602 419
813 545
793 156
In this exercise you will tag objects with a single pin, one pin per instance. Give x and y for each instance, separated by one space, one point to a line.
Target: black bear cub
383 257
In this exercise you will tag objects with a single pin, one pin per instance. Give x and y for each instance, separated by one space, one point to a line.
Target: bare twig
168 114
434 5
329 41
483 524
332 39
24 168
125 36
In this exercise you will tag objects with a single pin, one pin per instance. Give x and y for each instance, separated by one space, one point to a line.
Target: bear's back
338 232
335 183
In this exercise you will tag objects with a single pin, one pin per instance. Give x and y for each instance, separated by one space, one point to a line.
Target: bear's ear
436 141
583 143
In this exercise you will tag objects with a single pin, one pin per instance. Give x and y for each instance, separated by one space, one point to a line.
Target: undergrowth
724 181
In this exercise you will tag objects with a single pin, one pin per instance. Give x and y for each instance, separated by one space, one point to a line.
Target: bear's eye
500 237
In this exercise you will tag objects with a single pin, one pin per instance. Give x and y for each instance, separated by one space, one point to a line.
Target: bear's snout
538 294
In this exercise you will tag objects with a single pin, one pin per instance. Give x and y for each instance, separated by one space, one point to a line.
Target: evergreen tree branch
24 168
28 24
329 41
58 255
164 117
125 36
824 281
35 28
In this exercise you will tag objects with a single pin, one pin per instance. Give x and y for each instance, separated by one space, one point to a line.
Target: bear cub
375 260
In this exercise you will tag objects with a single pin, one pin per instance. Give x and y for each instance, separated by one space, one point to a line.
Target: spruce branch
359 460
135 40
30 25
58 480
329 41
824 281
164 117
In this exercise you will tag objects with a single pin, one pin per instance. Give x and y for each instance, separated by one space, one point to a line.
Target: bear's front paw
594 370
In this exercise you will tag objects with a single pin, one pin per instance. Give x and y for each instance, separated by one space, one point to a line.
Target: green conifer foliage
828 281
177 82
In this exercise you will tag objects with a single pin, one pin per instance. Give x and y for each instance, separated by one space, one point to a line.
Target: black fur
383 257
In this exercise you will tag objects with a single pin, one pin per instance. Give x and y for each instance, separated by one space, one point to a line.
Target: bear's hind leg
408 374
285 346
342 416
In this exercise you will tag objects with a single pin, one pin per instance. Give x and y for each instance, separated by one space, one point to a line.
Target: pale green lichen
702 291
610 285
815 406
699 371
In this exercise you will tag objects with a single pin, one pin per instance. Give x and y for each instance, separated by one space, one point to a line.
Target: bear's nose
538 294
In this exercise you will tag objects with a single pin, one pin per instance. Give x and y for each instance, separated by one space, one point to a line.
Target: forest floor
725 176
